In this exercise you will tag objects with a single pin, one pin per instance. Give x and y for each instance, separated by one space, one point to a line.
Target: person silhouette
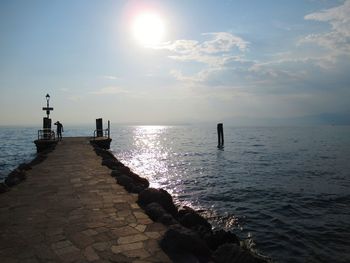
59 130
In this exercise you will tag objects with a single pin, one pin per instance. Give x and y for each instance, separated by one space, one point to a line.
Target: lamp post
47 104
47 120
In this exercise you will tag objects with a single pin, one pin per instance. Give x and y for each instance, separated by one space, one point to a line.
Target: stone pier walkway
71 210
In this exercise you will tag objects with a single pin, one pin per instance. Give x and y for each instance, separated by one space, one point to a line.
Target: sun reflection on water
150 153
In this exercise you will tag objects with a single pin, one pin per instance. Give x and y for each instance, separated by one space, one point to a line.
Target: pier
70 209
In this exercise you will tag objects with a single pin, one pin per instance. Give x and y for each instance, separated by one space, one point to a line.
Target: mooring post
99 127
109 129
220 128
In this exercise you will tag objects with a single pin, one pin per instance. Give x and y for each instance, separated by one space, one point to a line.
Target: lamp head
47 97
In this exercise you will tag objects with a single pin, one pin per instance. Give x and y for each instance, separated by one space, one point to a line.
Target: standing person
59 130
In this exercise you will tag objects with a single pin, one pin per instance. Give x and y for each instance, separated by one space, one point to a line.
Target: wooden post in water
220 128
109 129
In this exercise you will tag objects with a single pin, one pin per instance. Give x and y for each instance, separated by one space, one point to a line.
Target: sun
148 29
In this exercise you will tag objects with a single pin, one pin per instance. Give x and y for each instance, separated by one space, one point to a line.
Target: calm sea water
285 189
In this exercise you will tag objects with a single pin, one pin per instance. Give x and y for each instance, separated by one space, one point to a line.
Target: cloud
109 77
200 76
109 90
223 42
221 68
338 38
216 51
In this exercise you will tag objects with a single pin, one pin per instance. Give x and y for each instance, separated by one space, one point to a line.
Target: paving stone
44 253
140 228
153 235
26 253
101 229
74 256
140 215
90 232
126 247
124 213
160 257
101 246
81 240
66 250
135 206
90 254
61 244
124 231
155 227
29 260
132 239
137 253
144 221
132 219
152 245
9 260
120 258
54 232
102 237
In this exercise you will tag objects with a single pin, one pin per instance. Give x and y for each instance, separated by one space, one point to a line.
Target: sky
232 61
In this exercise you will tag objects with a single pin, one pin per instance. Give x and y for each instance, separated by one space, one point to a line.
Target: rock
140 181
123 169
15 177
220 237
184 210
192 219
168 220
115 173
38 159
111 163
136 188
130 184
179 240
155 211
104 153
125 181
24 166
232 253
159 196
3 188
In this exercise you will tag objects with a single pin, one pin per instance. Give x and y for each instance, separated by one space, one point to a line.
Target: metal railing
101 133
46 134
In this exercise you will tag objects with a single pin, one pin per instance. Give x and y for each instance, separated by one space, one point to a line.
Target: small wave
251 152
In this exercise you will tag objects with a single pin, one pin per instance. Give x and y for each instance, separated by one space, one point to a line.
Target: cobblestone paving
71 210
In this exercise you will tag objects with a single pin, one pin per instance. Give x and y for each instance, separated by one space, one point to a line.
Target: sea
285 191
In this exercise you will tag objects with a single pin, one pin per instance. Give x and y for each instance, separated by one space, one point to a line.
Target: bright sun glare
148 29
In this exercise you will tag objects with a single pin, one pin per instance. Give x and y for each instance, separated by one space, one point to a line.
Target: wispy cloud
214 54
109 90
217 50
338 38
109 77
